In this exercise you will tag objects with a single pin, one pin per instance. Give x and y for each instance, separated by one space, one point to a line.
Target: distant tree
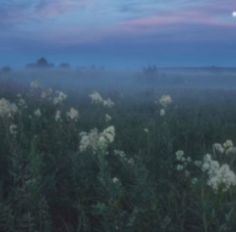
40 63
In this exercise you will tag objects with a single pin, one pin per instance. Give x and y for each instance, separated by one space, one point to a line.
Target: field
145 152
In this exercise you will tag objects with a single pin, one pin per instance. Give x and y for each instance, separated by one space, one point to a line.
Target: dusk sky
119 33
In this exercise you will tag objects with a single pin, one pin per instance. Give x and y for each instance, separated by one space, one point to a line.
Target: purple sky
119 33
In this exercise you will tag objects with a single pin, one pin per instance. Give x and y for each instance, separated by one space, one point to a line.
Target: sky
119 33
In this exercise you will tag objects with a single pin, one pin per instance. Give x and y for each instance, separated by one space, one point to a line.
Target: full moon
234 14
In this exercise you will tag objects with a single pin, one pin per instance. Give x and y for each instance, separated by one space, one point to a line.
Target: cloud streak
71 25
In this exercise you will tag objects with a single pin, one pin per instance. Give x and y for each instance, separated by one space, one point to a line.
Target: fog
144 79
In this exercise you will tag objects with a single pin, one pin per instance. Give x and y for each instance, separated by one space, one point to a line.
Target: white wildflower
146 130
108 118
7 109
97 99
59 98
88 140
179 167
106 137
218 148
34 84
73 114
120 153
198 163
13 129
44 94
162 112
97 141
130 161
108 103
165 100
47 93
223 179
22 103
115 180
228 143
179 155
231 151
189 159
194 180
58 116
38 113
219 177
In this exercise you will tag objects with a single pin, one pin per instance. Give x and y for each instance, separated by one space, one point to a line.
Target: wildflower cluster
123 156
97 141
226 148
182 160
56 97
97 99
7 109
165 101
220 177
108 118
72 114
59 97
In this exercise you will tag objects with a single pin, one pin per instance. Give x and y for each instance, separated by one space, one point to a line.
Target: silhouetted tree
40 63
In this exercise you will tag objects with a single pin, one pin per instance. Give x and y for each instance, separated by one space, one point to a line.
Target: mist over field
117 116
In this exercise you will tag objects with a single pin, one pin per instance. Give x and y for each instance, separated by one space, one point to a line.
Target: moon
234 14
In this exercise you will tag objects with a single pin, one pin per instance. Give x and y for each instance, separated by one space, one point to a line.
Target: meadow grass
113 161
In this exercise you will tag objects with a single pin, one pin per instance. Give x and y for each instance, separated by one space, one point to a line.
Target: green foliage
47 184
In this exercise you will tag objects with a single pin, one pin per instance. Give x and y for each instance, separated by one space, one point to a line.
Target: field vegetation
119 154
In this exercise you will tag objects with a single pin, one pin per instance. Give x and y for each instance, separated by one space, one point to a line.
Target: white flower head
165 100
38 113
35 84
162 112
13 129
198 163
22 103
97 99
228 144
73 114
108 118
220 177
46 93
180 167
179 155
218 148
120 153
108 103
7 109
97 141
115 180
59 98
231 151
194 180
58 115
